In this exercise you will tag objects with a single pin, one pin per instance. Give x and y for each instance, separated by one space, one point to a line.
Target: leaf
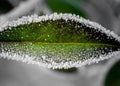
66 6
57 41
113 75
5 6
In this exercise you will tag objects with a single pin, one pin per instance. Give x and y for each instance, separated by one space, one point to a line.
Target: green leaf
57 41
67 6
5 6
113 76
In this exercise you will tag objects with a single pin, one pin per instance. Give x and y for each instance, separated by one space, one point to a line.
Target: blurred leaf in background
5 6
113 76
66 6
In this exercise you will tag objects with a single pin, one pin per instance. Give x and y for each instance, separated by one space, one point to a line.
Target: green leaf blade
58 41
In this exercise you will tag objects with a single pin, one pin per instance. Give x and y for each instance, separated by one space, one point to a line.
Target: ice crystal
89 43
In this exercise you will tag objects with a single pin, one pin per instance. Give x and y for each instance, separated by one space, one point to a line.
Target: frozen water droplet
48 35
44 57
21 37
61 54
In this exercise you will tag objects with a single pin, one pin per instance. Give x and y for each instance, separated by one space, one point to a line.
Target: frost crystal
27 52
55 16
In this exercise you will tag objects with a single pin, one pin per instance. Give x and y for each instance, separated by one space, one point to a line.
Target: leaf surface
57 41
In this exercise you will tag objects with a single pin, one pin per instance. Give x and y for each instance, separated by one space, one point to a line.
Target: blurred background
105 73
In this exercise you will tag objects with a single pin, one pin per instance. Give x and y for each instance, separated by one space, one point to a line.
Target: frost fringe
55 16
66 65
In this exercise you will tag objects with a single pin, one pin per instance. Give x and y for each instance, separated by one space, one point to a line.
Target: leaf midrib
72 43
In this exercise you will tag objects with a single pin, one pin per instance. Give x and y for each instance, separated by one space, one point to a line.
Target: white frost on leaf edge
55 16
30 60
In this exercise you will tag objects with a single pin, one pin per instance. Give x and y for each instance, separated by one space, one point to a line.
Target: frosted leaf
57 41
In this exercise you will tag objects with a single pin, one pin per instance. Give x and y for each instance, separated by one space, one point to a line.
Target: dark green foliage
63 6
113 76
